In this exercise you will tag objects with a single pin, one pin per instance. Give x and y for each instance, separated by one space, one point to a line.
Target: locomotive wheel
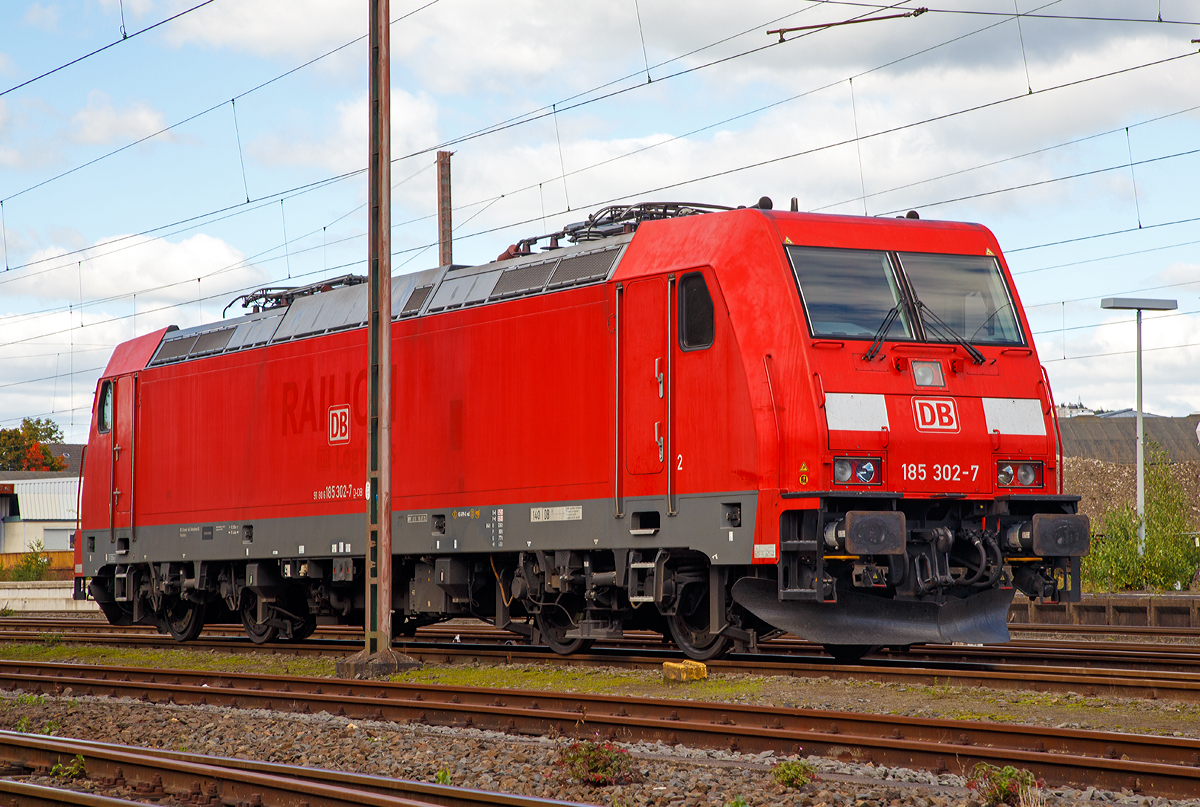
259 634
183 620
689 629
849 653
553 622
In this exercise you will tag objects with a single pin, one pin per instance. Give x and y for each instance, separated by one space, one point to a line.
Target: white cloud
1179 272
414 126
163 273
44 17
100 122
1170 383
270 27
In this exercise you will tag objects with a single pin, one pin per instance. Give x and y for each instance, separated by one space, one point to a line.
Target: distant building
71 454
1070 410
1126 413
37 506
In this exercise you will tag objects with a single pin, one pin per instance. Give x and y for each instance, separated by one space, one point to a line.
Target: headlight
842 470
928 374
858 470
1013 473
865 472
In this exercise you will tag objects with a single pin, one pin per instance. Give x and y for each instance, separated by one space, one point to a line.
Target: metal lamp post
1139 304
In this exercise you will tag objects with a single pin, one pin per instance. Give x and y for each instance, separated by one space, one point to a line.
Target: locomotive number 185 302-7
938 472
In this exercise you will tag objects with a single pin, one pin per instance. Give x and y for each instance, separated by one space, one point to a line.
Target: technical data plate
573 512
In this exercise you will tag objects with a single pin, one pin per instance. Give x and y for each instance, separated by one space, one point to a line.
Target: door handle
659 377
658 439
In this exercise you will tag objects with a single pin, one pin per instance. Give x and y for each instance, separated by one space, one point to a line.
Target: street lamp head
1138 304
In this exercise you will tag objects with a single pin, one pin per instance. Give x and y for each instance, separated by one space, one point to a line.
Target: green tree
23 448
1171 557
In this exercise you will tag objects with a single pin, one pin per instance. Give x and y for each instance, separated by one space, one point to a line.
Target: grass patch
583 680
181 659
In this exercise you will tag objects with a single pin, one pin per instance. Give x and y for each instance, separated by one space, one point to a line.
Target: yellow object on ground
686 670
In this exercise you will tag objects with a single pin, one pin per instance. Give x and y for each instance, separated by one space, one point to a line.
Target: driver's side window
104 415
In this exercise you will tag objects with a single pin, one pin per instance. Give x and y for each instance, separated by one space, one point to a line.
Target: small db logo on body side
935 414
339 425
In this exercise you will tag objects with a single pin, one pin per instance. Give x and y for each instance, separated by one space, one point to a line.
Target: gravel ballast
497 762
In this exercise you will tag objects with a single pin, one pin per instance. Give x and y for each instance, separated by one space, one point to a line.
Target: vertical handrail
112 463
617 406
133 423
671 511
778 433
79 504
1057 430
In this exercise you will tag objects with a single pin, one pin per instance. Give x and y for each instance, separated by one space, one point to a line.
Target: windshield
848 292
967 293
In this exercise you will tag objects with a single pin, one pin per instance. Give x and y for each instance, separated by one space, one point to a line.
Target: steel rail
193 778
28 794
1165 766
1139 655
962 671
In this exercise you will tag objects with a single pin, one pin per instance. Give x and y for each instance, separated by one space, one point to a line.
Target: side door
124 424
644 383
98 475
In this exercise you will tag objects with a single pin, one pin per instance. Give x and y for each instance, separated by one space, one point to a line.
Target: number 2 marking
680 466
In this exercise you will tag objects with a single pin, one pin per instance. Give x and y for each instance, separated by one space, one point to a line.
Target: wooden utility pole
379 336
445 228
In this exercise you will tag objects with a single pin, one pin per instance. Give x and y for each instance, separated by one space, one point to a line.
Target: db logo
339 425
935 414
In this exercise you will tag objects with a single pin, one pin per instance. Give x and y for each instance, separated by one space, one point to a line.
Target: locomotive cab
937 486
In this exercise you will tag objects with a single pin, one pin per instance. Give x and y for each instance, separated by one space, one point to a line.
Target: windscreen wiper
949 334
990 318
882 332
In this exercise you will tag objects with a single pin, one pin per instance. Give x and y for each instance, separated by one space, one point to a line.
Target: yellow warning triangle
803 467
787 240
989 251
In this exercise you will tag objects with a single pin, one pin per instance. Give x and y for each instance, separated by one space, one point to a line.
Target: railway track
1161 766
1127 670
153 774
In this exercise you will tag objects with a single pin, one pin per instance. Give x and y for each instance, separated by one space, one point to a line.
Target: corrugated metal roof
440 289
47 499
1114 439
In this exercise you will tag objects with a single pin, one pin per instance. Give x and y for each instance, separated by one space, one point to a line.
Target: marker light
865 472
1026 474
842 469
928 374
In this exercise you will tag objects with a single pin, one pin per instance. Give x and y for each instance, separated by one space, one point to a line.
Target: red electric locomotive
719 424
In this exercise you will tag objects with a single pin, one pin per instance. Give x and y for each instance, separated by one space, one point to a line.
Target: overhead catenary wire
124 38
833 145
214 107
517 120
624 197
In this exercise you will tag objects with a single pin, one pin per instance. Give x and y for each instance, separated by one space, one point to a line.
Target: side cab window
696 326
105 410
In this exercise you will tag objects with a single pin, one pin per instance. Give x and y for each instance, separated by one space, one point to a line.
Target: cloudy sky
225 150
